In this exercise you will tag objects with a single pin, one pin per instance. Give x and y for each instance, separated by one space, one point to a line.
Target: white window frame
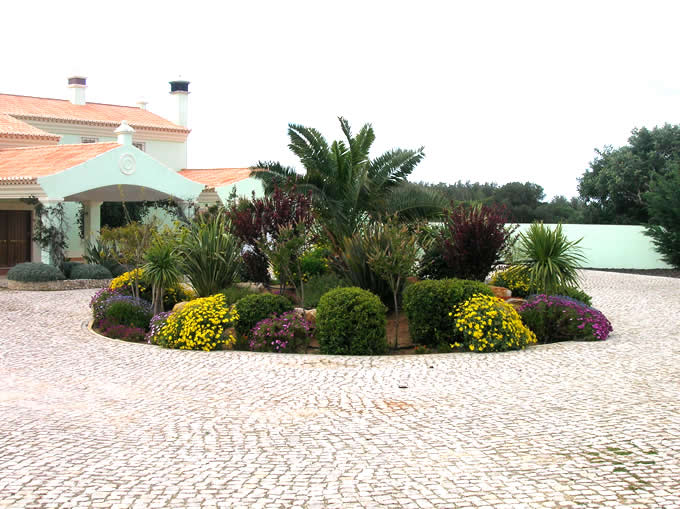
141 145
89 139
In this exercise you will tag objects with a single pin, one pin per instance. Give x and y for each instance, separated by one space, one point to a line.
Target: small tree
130 242
285 252
394 260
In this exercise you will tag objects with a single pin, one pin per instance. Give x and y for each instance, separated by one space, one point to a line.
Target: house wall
613 246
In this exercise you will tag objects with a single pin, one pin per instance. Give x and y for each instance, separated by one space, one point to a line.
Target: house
83 154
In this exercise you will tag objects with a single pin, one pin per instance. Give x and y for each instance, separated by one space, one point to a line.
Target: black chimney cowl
179 86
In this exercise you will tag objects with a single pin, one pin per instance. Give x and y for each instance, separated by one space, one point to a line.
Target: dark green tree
615 185
520 199
663 203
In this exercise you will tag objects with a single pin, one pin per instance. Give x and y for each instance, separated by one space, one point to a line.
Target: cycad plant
348 188
210 254
552 259
161 270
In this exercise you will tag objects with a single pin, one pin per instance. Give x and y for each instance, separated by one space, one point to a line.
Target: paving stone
88 421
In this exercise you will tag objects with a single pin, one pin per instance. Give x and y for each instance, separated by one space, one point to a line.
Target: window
140 145
88 139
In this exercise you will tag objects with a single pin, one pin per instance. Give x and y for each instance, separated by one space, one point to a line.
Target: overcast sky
494 90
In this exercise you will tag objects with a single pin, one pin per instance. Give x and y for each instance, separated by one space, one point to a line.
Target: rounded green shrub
128 311
67 267
30 272
232 294
428 304
83 271
351 321
576 294
253 308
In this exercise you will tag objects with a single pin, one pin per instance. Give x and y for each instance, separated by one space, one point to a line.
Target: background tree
663 201
615 186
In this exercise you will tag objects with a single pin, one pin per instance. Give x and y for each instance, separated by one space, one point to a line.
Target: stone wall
65 284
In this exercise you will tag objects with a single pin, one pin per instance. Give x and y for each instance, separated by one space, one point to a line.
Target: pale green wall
243 188
171 153
74 248
613 246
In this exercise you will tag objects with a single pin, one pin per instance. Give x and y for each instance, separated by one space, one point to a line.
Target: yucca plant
552 259
210 254
162 270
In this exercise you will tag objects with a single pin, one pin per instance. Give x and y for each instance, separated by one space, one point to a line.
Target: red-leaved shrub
473 240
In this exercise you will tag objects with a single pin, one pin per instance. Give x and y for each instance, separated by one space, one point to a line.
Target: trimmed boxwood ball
351 321
82 271
131 312
428 304
30 272
253 308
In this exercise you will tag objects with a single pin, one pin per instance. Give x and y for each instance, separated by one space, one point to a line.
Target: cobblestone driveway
91 422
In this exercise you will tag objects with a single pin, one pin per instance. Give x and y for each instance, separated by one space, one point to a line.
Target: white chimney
124 133
142 104
180 89
78 84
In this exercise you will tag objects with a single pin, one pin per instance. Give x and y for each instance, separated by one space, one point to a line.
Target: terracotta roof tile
11 127
28 163
216 177
59 110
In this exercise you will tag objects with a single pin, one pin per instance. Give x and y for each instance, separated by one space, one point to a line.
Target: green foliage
351 321
433 265
393 260
103 253
552 259
516 278
314 263
253 308
576 294
30 272
347 186
616 184
88 271
210 254
318 286
428 304
49 229
162 270
664 215
232 294
488 324
66 268
129 313
284 252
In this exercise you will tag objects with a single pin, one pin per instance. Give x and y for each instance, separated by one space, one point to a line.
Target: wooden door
15 237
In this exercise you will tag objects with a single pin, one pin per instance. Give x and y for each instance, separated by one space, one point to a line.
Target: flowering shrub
125 310
200 325
256 307
515 278
286 333
116 330
98 300
155 325
488 324
557 318
171 296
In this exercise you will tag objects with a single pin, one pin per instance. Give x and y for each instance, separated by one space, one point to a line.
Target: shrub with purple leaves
116 330
286 333
155 326
555 318
99 299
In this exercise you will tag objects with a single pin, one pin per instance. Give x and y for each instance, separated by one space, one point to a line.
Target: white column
92 222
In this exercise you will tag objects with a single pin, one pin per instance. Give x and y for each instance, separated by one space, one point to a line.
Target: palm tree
348 187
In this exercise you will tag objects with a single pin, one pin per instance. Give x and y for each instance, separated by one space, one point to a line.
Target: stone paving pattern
93 422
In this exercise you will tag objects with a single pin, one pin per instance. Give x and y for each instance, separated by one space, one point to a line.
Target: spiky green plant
210 254
552 259
161 270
